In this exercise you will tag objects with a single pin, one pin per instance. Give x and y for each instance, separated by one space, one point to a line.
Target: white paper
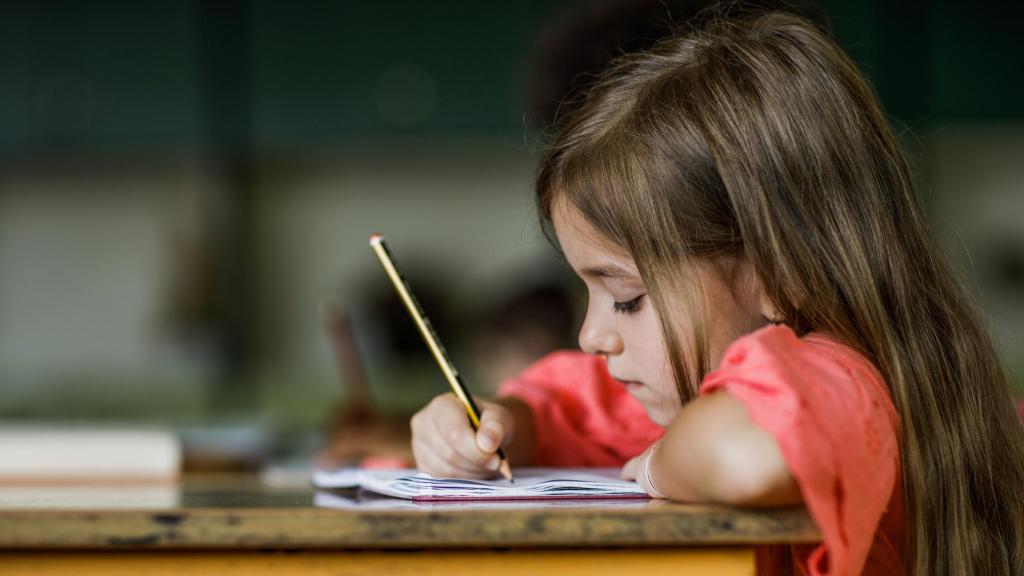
530 483
370 501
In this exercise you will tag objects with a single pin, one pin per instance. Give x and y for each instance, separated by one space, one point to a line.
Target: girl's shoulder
815 365
779 342
831 414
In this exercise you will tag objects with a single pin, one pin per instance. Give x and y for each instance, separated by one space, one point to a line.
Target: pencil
433 342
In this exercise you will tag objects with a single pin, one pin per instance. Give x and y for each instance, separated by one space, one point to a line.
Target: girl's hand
444 443
639 469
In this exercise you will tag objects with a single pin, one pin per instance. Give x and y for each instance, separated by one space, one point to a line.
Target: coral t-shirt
826 405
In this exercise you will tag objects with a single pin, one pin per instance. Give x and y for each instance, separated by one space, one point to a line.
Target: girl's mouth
632 385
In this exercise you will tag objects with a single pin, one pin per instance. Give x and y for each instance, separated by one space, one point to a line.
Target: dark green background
110 76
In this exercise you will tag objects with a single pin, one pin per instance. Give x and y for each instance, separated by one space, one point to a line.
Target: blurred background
187 189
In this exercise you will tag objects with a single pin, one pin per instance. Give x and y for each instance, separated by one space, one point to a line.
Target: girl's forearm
712 452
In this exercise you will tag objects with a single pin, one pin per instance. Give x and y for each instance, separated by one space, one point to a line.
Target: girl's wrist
645 476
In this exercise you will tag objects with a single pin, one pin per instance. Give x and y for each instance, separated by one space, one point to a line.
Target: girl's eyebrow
608 271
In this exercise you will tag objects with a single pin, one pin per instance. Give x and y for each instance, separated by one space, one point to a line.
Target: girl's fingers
465 446
455 440
445 444
630 469
450 437
454 428
427 460
446 450
496 425
458 435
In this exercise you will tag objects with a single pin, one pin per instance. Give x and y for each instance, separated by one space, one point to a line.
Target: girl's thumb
492 431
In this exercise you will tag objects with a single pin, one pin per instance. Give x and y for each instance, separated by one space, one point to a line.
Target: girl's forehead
589 251
570 224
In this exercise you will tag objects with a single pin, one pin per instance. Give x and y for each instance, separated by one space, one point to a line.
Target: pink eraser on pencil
375 238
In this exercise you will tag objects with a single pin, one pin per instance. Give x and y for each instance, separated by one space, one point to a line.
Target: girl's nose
597 337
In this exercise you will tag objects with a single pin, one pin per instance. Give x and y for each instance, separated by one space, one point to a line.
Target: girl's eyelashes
628 307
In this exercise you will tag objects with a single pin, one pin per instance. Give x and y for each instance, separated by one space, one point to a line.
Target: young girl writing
769 322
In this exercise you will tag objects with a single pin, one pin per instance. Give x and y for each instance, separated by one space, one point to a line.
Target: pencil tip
506 471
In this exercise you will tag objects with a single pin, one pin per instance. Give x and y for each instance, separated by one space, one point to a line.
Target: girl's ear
768 309
748 284
765 307
762 305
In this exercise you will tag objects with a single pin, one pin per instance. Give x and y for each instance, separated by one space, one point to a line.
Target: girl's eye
627 307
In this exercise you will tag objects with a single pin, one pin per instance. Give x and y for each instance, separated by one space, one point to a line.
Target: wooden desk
237 525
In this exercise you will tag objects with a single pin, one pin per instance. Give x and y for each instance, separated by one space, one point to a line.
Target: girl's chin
659 414
658 409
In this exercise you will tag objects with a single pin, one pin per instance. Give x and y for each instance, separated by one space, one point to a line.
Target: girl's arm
712 452
576 414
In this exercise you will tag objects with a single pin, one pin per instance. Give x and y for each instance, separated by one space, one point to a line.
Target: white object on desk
67 455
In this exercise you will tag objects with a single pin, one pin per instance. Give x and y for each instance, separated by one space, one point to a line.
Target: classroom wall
182 184
84 271
88 260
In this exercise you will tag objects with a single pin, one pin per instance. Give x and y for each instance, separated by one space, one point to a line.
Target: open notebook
530 484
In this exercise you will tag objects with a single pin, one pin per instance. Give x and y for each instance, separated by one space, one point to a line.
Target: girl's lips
632 384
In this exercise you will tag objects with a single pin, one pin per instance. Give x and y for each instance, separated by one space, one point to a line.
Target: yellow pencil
433 342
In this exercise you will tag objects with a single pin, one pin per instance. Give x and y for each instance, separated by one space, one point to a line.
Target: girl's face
622 325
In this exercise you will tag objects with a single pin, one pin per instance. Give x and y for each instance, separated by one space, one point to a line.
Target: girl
763 285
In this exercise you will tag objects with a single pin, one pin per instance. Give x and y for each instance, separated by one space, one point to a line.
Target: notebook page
369 501
530 483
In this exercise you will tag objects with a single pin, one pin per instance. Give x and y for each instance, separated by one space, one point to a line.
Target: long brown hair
758 137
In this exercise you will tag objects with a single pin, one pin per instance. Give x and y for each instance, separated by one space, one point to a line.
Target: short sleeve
836 427
581 416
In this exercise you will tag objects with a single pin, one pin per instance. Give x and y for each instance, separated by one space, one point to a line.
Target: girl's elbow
748 475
